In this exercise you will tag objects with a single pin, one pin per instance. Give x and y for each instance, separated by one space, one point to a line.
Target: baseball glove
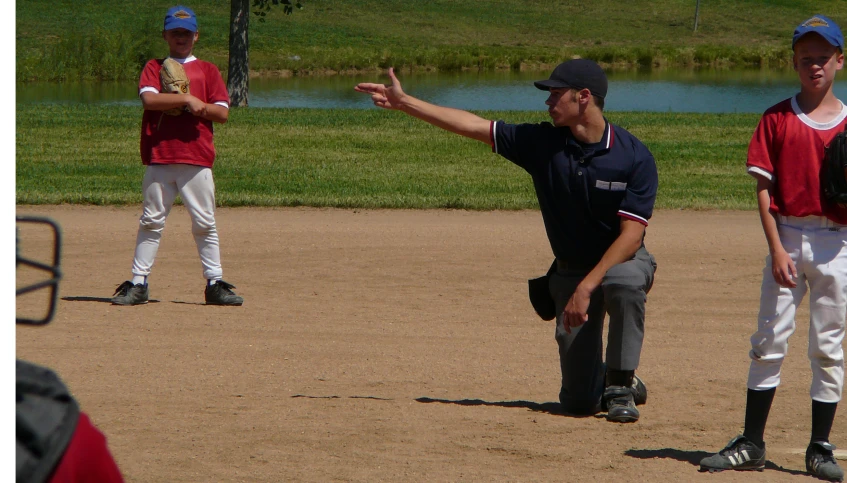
834 171
174 80
539 295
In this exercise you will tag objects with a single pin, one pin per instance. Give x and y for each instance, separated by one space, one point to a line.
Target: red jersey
87 458
182 139
788 148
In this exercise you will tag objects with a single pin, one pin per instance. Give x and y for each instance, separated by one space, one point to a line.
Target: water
662 91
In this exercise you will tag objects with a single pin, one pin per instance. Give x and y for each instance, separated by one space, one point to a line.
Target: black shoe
621 404
821 462
129 294
639 393
740 454
220 293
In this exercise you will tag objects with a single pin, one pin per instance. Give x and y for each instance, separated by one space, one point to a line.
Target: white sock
212 281
136 279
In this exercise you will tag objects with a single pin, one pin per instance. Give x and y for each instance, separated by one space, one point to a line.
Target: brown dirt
401 346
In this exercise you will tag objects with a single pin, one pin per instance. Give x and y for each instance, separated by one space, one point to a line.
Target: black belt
565 265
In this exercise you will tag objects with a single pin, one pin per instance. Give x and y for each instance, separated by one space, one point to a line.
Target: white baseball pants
196 187
818 248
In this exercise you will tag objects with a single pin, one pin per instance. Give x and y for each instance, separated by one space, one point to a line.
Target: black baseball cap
578 74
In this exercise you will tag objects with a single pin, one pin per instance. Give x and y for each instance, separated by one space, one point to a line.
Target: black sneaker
639 393
221 294
621 403
740 454
129 294
821 462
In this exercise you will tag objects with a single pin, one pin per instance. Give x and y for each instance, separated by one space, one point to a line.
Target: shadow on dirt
340 397
97 299
693 458
549 407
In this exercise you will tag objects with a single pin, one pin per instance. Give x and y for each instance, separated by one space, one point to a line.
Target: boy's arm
216 113
782 267
622 249
159 101
454 120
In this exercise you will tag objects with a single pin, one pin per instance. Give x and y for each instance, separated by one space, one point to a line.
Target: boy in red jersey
179 152
807 239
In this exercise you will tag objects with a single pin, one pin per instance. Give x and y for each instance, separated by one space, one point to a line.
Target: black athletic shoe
821 462
221 294
639 393
621 403
740 454
129 294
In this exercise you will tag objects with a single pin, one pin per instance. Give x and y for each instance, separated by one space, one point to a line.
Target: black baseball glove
539 295
834 171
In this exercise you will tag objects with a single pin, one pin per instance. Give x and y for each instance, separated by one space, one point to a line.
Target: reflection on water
714 90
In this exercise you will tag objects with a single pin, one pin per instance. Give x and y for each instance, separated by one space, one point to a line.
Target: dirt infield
401 346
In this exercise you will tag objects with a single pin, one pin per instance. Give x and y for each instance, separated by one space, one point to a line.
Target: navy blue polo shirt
583 190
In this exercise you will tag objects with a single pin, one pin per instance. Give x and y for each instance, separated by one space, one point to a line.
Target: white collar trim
821 126
190 58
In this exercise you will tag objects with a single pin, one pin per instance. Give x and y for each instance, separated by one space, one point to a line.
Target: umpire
596 185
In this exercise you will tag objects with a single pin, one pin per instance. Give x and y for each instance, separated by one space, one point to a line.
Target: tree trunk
238 79
696 15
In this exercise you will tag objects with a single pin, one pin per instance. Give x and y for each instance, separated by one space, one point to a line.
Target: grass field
111 40
359 158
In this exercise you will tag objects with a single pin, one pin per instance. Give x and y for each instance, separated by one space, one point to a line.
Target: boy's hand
196 106
783 269
385 96
576 310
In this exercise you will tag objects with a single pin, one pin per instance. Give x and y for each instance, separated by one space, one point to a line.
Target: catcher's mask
30 268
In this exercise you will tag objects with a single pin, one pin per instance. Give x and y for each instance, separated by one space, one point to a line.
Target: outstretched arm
453 120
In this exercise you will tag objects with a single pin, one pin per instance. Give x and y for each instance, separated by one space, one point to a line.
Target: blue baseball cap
180 17
822 26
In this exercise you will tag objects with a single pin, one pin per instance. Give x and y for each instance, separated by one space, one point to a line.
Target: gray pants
622 295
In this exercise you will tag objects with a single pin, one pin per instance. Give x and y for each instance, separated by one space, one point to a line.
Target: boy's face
816 62
180 42
563 105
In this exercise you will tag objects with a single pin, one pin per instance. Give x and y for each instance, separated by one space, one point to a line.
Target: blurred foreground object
37 268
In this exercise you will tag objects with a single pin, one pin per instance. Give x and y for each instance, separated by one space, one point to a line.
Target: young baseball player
807 239
596 185
179 152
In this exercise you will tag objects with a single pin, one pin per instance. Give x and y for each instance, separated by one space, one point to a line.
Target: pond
708 90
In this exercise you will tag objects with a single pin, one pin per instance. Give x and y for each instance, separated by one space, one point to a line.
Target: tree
238 79
696 15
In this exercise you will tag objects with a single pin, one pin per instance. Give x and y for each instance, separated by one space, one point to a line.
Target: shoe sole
824 478
718 470
128 304
624 419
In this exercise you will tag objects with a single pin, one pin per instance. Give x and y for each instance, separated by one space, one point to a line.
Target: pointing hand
385 96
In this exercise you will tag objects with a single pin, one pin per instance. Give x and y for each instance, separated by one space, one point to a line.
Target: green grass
356 35
359 159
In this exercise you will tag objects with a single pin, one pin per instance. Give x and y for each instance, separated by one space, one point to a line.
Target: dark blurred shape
50 267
